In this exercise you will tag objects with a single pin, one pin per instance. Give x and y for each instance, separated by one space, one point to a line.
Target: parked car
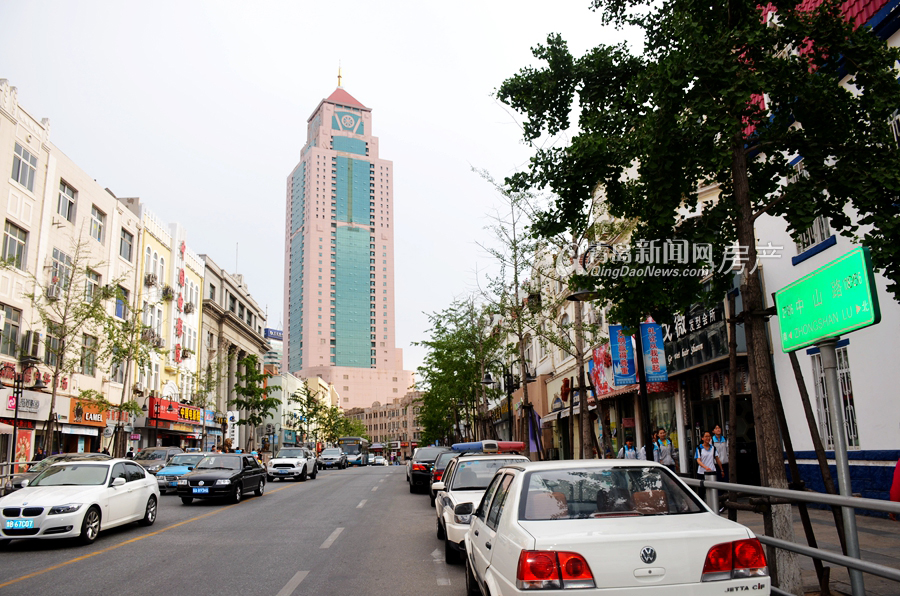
437 471
465 480
178 466
79 499
606 525
418 470
224 476
380 461
298 463
48 461
332 457
155 459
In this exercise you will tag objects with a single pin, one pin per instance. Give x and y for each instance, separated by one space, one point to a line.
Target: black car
223 476
54 459
420 467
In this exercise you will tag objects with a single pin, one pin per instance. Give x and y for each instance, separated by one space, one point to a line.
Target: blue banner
654 353
624 371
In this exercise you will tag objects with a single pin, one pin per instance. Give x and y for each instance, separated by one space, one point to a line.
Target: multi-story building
232 329
272 359
392 427
67 240
339 258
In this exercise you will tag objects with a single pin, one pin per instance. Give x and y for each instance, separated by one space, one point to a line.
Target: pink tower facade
339 259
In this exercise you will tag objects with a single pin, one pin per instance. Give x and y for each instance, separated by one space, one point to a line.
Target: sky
200 108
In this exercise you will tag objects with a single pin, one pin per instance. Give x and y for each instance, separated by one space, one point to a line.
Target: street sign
834 299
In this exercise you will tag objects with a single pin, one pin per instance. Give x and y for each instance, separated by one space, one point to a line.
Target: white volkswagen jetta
610 526
80 499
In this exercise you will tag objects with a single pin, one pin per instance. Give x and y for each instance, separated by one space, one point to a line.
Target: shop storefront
83 427
169 423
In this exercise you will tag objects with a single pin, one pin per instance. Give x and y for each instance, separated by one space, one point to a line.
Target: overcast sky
200 109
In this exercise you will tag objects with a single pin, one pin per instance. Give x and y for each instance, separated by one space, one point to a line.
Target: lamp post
18 392
510 385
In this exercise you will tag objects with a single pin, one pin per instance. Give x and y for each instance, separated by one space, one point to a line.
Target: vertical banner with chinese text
624 370
654 353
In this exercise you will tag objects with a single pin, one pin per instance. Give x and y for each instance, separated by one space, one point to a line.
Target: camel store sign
86 413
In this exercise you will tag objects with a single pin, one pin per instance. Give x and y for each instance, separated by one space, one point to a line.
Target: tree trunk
771 457
587 445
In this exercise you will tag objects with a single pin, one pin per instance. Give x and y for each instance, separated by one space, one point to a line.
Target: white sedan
79 499
610 526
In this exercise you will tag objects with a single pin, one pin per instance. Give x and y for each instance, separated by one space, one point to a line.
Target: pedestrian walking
720 442
663 450
707 459
104 451
629 451
130 453
40 454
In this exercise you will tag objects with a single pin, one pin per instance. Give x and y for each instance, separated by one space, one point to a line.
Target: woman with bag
707 459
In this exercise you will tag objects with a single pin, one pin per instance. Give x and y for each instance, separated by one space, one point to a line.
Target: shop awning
620 391
563 413
5 429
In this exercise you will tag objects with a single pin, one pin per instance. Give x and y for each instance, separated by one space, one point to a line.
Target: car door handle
476 532
487 545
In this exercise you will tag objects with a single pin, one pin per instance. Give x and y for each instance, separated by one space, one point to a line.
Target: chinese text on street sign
834 299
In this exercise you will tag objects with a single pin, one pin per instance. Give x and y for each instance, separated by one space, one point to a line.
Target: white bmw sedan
79 499
605 526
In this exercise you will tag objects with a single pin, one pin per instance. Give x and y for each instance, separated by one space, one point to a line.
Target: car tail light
731 560
419 468
552 570
436 475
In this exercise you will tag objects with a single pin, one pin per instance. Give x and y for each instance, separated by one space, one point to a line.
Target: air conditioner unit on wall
139 388
161 343
150 280
53 292
31 342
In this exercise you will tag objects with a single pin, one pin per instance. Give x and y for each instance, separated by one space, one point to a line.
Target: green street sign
834 299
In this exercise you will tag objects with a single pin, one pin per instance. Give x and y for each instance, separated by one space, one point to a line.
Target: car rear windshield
428 453
476 474
580 493
440 463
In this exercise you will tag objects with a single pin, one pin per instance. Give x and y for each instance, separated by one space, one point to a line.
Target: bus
356 448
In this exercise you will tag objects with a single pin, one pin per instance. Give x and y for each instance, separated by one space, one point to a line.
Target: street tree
308 405
252 396
728 94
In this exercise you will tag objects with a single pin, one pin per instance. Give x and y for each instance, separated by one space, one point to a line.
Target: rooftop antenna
236 245
339 73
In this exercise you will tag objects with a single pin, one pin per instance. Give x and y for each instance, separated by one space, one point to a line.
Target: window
117 370
126 244
14 240
9 341
88 355
122 303
61 268
24 165
91 285
66 205
98 220
212 292
843 367
52 349
818 232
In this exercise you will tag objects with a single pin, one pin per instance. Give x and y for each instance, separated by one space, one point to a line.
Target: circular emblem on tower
348 121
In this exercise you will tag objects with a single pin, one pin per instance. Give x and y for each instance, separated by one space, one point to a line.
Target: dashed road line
374 488
361 504
332 538
289 587
440 568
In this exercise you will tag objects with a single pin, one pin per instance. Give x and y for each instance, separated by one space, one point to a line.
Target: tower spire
339 74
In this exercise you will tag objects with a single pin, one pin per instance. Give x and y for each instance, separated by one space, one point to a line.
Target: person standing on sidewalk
707 459
721 444
663 450
629 452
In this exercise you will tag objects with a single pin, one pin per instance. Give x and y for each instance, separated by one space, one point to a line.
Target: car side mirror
463 509
190 468
24 482
118 481
437 486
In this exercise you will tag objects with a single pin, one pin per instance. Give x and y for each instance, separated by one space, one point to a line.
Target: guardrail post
712 494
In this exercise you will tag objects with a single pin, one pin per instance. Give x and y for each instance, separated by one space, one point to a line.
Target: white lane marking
361 503
440 568
374 488
289 587
332 538
382 480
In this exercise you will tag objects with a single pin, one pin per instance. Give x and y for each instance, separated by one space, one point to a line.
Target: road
355 532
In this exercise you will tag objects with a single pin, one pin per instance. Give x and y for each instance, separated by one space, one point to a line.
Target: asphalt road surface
354 532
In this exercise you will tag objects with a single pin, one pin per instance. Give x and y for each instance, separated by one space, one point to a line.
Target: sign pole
838 431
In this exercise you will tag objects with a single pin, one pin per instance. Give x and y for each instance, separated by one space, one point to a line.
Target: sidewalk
879 542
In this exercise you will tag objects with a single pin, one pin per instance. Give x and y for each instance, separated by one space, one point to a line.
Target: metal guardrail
807 497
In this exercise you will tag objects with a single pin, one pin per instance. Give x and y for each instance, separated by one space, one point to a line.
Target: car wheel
451 555
238 493
314 473
90 526
441 535
412 488
472 588
271 478
4 542
187 500
261 488
162 491
150 512
431 498
302 477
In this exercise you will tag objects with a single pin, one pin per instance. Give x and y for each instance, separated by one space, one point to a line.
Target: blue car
178 466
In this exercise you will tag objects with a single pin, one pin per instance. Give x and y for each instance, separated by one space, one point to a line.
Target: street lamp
510 384
18 392
156 418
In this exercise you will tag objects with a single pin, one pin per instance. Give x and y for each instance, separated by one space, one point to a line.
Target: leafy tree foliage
252 401
309 406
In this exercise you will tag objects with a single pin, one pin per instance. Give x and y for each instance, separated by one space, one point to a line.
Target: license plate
18 524
201 490
173 483
283 471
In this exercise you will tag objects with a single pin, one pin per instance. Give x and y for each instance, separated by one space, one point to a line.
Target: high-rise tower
339 259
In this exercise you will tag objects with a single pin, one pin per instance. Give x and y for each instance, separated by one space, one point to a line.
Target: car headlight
69 508
223 481
154 468
182 482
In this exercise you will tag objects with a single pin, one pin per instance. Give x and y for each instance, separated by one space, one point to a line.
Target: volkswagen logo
642 554
648 554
